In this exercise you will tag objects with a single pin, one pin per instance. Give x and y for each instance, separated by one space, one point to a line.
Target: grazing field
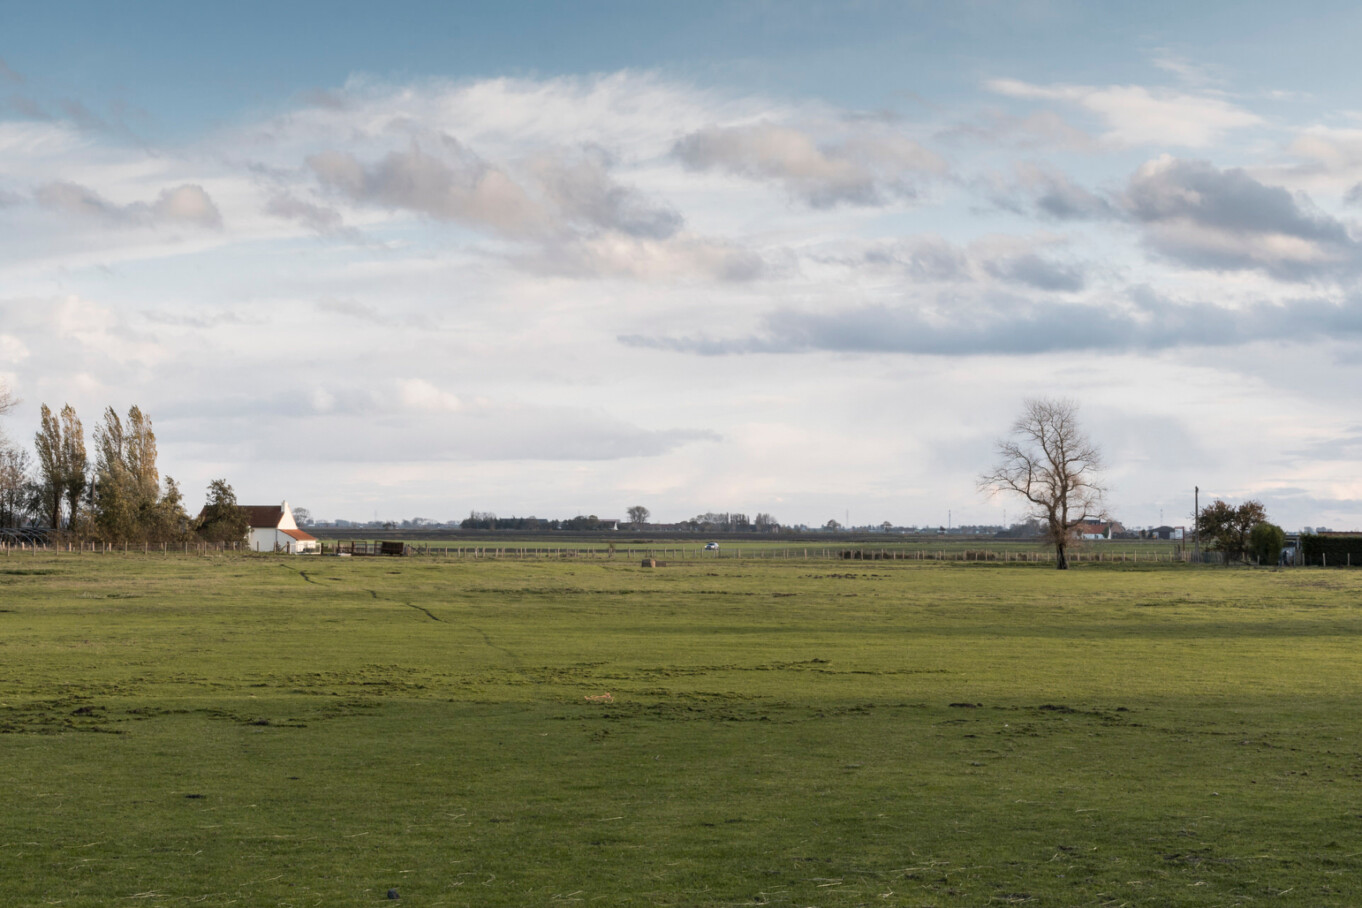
256 730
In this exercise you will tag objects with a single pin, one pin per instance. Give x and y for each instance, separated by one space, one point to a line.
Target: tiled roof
263 516
299 535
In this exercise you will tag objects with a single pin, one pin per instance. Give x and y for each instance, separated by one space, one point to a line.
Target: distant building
273 529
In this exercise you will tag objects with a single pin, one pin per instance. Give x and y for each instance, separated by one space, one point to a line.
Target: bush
1266 541
1334 551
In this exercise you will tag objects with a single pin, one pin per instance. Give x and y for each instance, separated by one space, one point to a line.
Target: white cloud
1322 159
1206 217
863 169
583 192
188 204
420 395
1136 115
456 186
12 350
684 258
320 218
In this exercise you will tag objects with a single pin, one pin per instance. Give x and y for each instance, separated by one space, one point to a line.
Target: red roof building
273 529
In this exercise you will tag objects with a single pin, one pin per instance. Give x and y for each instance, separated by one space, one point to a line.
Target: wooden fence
8 548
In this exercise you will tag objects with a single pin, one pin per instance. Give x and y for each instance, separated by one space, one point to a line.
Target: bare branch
1054 466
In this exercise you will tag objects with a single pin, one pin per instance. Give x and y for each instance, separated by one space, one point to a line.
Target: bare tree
14 467
638 515
15 500
1049 461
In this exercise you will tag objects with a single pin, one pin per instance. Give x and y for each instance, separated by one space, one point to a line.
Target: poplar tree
74 462
115 506
139 455
130 503
51 470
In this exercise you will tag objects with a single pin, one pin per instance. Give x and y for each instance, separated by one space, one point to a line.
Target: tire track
428 613
515 660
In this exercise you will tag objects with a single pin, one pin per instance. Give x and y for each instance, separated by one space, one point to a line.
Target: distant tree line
486 520
735 522
638 519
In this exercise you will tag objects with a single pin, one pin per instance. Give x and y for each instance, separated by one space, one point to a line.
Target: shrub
1266 541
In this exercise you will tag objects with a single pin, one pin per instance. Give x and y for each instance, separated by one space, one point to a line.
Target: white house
1094 529
273 529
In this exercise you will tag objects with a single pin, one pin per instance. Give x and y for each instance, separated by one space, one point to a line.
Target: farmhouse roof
264 516
299 535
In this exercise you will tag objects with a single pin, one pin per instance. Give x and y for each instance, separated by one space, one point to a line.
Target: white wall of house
264 539
287 522
269 539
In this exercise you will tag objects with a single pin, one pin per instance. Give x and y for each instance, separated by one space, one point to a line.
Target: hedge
1333 551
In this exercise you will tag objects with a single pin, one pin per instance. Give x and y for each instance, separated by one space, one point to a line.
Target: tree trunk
1061 559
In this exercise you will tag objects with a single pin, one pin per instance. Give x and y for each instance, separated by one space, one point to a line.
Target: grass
272 731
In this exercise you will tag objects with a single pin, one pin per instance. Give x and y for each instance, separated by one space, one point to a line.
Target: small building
1099 529
273 529
1093 529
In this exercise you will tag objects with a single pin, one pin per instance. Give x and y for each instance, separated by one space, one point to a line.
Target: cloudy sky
794 257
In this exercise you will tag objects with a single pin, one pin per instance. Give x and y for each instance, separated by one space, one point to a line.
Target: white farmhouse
273 529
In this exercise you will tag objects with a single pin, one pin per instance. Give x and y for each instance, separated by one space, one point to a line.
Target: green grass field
316 731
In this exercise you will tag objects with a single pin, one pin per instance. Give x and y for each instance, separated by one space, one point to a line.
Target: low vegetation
256 730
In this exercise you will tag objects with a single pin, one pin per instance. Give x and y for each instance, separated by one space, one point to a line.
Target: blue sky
801 258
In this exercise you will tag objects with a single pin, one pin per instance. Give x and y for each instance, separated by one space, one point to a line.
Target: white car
711 546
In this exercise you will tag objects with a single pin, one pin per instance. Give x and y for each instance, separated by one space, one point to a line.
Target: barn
273 529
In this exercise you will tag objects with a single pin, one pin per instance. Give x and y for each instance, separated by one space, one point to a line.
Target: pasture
261 730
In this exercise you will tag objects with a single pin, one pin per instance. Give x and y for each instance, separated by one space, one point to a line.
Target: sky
807 259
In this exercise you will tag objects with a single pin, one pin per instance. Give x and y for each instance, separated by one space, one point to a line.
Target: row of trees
486 520
725 522
638 519
120 496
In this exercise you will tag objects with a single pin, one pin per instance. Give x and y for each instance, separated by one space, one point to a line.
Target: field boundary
673 555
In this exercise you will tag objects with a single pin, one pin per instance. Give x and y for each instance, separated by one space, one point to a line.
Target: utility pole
1196 521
